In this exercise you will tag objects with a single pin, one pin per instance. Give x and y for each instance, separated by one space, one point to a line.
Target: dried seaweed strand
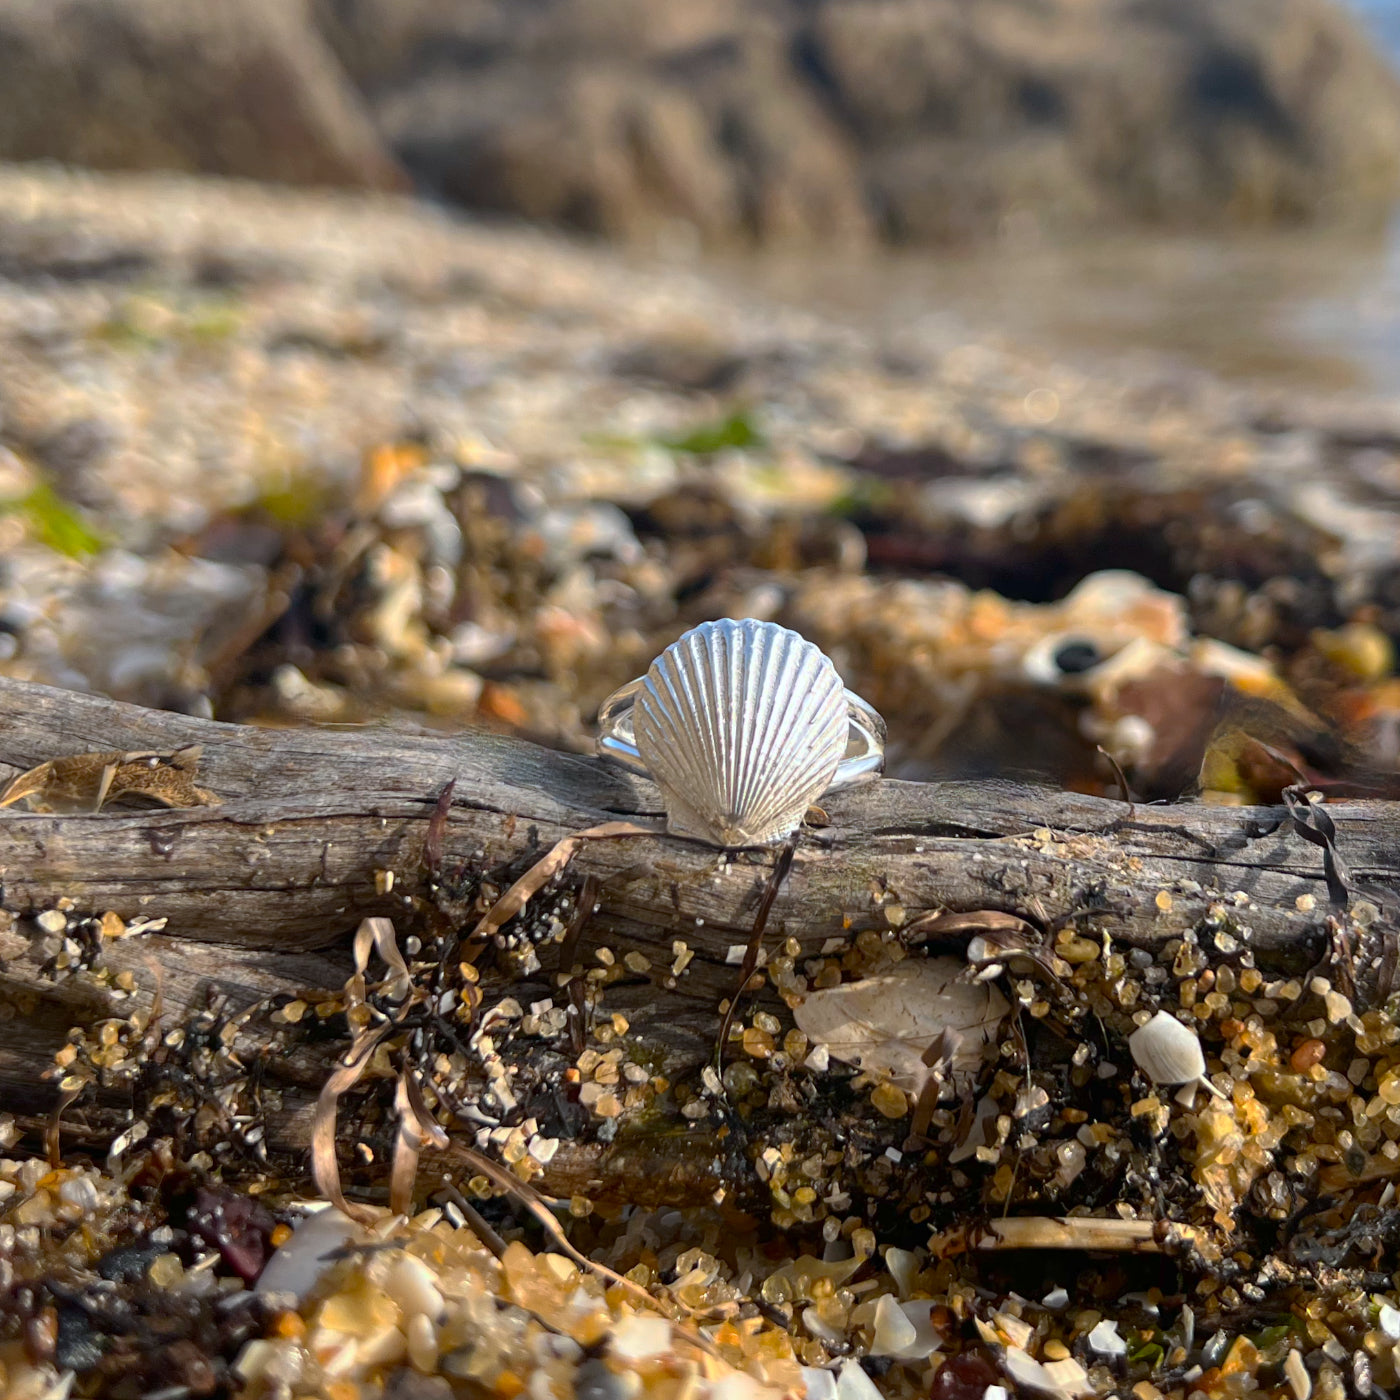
52 1131
1313 822
546 868
377 935
437 829
325 1169
415 1127
480 1226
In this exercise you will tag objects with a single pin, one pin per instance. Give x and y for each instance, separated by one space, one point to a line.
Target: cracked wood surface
261 892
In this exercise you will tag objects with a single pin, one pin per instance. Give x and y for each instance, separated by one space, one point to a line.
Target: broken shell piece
893 1330
1105 1341
854 1384
313 1248
885 1024
1168 1052
1062 1378
905 1331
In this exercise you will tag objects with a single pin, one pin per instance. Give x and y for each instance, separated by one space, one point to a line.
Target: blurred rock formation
778 121
239 87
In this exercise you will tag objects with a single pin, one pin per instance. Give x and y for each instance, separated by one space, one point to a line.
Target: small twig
480 1226
578 921
1064 1232
781 866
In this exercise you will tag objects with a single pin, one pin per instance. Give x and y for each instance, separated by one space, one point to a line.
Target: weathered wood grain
261 892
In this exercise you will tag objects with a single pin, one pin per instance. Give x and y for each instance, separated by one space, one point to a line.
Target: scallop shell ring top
742 725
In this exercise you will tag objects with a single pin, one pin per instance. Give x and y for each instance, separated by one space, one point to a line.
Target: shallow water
1304 308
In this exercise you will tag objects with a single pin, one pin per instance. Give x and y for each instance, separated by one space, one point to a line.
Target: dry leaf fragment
885 1024
86 782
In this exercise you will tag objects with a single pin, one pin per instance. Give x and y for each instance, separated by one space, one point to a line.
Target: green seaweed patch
293 501
737 431
866 496
53 522
214 321
123 330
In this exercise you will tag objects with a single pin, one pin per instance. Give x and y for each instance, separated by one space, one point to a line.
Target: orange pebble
1308 1054
280 1235
501 704
508 1385
289 1324
342 1390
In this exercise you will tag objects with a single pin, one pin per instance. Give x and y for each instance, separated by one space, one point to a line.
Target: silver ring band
865 746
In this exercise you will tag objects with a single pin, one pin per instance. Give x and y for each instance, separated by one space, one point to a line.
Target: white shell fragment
742 726
1105 1341
854 1384
903 1331
1168 1052
299 1263
1061 1378
884 1024
894 1332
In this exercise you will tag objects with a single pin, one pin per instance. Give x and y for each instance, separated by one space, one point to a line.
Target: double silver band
865 743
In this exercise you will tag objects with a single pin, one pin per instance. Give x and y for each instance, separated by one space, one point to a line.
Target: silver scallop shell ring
742 725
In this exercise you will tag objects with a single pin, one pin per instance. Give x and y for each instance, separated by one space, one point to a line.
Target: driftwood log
260 893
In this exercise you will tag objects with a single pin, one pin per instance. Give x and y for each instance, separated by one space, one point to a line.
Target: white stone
1297 1375
1167 1051
639 1337
1389 1321
422 1344
854 1384
413 1286
79 1191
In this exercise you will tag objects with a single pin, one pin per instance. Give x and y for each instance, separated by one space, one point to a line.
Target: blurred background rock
789 122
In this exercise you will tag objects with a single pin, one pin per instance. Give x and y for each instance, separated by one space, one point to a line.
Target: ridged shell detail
741 725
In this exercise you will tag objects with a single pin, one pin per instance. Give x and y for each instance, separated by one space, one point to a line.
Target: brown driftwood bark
261 892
